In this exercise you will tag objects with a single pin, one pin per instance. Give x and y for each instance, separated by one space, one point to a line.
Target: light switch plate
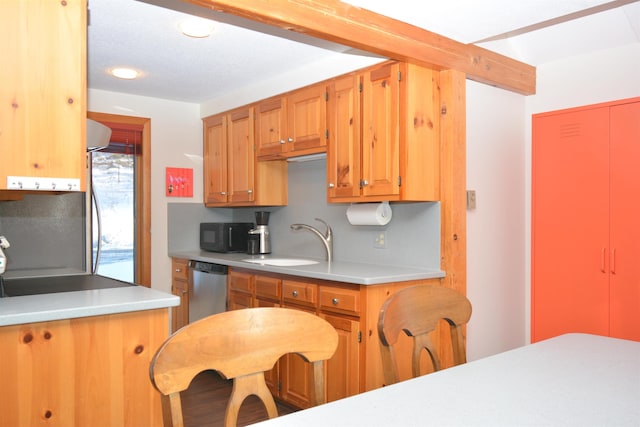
471 199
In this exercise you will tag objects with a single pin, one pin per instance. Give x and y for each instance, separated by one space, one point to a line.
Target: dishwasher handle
207 267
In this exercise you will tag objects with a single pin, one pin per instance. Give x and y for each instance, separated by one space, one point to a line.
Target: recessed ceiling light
196 28
124 73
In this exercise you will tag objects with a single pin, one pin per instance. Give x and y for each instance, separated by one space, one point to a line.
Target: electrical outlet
380 240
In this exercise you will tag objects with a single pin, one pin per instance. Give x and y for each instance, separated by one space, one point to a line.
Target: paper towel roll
369 214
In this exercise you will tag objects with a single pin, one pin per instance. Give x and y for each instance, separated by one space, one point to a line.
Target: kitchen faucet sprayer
326 237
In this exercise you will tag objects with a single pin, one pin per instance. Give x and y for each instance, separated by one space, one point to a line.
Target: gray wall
412 236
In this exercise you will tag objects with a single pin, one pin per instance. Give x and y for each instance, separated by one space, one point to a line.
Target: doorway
121 180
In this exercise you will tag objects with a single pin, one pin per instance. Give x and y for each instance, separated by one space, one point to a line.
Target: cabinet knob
365 182
178 270
335 301
290 139
249 191
295 294
331 185
224 193
282 141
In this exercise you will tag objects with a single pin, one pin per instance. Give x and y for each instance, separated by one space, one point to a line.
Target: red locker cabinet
586 221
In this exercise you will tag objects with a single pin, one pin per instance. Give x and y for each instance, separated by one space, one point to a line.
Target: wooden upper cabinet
232 174
384 135
294 124
380 133
215 160
271 127
240 152
343 152
43 90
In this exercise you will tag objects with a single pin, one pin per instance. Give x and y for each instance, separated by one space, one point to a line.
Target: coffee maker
259 241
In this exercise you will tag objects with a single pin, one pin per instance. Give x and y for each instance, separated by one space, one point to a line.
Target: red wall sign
179 182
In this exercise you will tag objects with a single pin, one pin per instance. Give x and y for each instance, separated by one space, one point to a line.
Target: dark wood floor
204 402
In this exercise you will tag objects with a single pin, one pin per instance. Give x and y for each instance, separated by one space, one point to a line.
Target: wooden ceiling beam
362 29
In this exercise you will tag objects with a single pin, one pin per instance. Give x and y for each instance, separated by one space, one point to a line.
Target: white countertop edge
71 305
339 271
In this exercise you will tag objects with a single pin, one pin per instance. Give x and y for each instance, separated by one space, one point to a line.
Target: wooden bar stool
416 311
240 345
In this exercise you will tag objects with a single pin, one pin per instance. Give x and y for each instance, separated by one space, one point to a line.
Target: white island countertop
571 380
68 305
339 271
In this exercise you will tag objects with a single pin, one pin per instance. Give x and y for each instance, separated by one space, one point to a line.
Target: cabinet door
43 90
380 132
215 160
180 288
307 120
343 369
625 225
343 153
570 223
271 128
241 157
239 290
272 376
296 376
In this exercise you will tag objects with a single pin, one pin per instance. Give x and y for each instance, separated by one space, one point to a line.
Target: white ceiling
240 53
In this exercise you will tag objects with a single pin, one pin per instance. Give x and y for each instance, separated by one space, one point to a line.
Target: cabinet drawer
239 300
303 293
240 282
180 269
268 287
340 300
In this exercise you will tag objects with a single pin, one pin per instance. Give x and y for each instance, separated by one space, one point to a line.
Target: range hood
98 135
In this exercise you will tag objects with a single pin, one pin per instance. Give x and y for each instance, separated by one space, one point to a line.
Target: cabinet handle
331 185
603 260
224 193
290 139
335 301
613 261
282 141
295 294
249 191
178 270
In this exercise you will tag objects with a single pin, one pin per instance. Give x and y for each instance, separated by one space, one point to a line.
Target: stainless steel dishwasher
208 292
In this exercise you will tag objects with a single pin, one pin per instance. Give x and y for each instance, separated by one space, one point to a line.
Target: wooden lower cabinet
267 294
351 309
343 369
180 288
91 371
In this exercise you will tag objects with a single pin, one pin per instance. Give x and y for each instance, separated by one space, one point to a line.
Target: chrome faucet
327 237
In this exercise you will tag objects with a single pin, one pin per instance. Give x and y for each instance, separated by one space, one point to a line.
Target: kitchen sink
281 262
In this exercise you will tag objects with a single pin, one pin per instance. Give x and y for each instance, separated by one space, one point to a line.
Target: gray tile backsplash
412 238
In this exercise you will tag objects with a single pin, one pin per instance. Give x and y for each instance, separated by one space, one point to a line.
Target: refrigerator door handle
96 203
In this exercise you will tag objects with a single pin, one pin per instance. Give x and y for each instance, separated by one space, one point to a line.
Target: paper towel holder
377 214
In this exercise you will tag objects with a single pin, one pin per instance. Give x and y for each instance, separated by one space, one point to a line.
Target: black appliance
224 236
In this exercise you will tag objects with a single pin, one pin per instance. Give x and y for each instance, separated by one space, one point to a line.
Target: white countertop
348 272
571 380
68 305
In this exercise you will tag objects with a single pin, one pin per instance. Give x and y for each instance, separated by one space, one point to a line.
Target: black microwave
224 236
